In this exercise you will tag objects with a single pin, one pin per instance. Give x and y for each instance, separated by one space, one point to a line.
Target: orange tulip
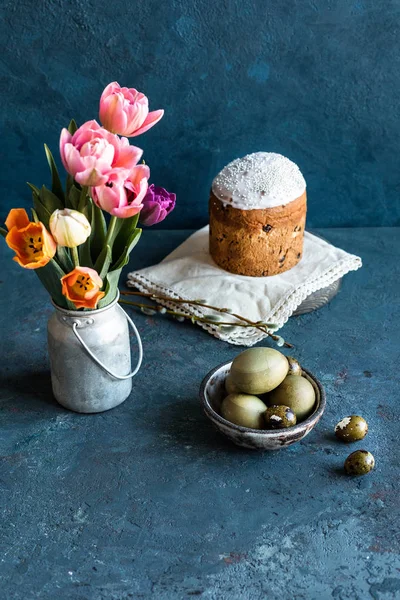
32 243
82 287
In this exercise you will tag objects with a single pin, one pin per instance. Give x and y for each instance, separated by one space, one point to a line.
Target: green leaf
114 275
123 230
64 259
50 200
50 276
88 210
44 203
41 211
131 243
85 258
3 232
56 185
69 182
72 127
35 216
99 231
35 190
84 198
103 262
111 288
74 196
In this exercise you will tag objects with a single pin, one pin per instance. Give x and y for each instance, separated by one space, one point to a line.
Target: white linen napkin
190 273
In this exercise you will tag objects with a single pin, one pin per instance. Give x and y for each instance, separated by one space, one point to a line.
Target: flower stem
82 198
110 230
75 257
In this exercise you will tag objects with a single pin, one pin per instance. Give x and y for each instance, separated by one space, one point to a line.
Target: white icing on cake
259 180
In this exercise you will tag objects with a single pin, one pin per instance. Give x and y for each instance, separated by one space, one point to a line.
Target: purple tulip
157 204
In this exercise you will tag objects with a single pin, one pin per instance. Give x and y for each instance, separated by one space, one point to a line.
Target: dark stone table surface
148 500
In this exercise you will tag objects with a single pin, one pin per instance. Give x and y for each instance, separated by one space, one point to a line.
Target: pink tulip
123 199
92 154
126 111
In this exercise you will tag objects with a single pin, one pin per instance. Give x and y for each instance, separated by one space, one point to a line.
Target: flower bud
157 204
69 227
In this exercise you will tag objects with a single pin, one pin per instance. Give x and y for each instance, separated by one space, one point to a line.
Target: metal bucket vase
90 357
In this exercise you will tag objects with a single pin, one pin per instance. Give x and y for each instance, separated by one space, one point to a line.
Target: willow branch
245 322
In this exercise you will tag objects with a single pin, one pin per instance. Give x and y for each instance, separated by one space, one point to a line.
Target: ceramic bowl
212 392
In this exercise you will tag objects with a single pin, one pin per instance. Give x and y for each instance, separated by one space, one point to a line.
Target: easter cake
258 210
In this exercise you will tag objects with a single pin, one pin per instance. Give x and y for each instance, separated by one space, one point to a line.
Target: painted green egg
295 392
244 410
279 417
359 463
351 429
230 386
258 370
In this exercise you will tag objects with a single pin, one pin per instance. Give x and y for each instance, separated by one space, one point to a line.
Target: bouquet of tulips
77 252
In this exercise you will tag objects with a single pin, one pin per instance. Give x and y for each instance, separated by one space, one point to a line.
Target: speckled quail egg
359 462
294 366
258 370
351 429
295 392
244 410
279 417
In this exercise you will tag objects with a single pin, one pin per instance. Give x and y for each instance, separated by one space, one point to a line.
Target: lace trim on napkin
279 315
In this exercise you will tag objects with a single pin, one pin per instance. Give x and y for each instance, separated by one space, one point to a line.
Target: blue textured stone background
149 501
317 80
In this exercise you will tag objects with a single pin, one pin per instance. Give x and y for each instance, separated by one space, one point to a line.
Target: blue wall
317 80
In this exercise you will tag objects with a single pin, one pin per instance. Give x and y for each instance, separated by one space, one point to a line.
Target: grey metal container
90 357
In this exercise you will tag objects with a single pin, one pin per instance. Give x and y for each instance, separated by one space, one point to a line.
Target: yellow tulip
69 227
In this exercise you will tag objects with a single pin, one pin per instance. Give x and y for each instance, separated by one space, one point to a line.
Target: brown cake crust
258 242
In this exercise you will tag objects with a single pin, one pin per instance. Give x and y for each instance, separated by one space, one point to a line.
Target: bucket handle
77 323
